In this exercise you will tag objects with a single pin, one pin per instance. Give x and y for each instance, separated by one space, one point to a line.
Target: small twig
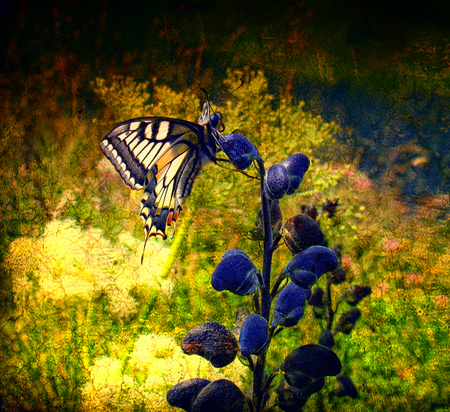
234 170
251 364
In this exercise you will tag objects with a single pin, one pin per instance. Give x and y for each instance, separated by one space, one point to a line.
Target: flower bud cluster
285 178
303 270
305 368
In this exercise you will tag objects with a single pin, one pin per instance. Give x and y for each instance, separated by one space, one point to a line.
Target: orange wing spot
169 219
175 216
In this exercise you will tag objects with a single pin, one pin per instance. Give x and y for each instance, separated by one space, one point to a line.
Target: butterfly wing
163 156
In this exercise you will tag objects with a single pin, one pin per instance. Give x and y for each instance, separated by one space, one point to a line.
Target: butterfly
163 156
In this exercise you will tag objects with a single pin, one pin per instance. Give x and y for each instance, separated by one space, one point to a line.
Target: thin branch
234 170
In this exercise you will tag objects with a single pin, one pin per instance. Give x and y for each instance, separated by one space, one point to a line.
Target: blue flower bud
309 363
219 396
314 261
239 150
253 335
356 293
236 273
347 321
276 182
337 276
232 252
291 399
346 387
316 298
330 207
288 309
212 341
183 394
327 339
296 165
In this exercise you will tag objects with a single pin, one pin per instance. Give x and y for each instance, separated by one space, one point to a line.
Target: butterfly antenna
230 93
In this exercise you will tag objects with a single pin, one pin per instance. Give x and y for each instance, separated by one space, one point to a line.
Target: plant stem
266 298
330 313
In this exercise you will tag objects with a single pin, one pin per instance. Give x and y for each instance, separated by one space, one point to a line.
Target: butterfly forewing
163 156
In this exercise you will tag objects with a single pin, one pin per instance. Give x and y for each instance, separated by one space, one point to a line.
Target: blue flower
239 150
288 309
236 273
308 266
309 363
219 396
326 339
183 394
296 165
276 182
253 335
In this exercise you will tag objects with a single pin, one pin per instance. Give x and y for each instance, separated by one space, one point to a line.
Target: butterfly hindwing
169 183
163 156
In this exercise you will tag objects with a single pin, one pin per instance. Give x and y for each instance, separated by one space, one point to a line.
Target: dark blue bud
183 394
308 363
316 298
303 278
354 294
236 273
212 341
253 335
337 276
327 339
296 165
346 387
316 259
291 399
219 396
239 150
288 309
347 321
276 182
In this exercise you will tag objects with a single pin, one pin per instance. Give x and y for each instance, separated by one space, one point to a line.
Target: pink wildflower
363 184
383 287
414 279
346 262
441 301
391 245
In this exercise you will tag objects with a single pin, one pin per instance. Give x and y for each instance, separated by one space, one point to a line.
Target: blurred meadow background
363 91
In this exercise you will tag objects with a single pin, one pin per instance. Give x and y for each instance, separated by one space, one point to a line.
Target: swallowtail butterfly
163 156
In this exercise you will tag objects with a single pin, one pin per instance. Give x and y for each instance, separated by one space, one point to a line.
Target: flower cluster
303 369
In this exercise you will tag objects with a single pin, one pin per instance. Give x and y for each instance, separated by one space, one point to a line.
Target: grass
86 327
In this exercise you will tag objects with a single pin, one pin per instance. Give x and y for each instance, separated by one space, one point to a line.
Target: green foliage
52 349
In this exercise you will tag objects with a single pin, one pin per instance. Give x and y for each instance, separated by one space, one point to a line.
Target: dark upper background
60 46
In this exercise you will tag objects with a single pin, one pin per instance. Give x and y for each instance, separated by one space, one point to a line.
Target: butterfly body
163 156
